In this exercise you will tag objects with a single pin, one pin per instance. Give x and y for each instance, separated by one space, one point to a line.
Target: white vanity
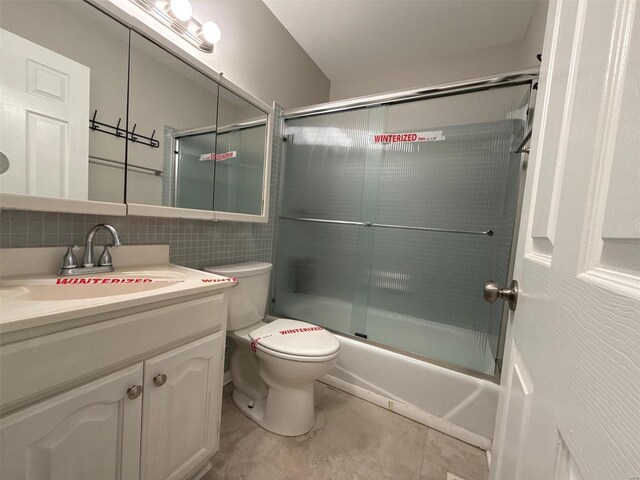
114 375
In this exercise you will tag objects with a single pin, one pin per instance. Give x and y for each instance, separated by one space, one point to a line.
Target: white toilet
275 364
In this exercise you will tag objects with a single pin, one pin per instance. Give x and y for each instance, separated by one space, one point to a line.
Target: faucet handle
105 258
69 260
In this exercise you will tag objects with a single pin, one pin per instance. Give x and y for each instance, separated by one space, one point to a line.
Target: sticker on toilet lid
292 337
254 343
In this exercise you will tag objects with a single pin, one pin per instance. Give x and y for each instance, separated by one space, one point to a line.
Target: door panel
576 326
45 104
180 428
92 432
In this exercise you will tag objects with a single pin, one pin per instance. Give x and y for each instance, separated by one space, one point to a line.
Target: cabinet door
91 432
180 427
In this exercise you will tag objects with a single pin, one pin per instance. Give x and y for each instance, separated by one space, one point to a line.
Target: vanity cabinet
94 431
135 396
181 404
90 432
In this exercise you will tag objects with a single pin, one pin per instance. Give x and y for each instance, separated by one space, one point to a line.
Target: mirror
62 64
70 131
179 104
240 156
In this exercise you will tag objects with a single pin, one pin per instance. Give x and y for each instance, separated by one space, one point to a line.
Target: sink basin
153 274
62 292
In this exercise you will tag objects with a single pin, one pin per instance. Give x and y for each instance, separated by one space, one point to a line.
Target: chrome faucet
105 258
70 263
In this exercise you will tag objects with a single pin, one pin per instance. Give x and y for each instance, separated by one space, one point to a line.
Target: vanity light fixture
177 15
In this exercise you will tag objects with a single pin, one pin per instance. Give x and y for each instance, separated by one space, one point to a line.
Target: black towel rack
116 131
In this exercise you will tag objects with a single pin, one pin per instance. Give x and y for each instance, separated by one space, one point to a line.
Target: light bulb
211 33
181 9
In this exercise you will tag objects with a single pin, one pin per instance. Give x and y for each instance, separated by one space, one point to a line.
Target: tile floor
351 440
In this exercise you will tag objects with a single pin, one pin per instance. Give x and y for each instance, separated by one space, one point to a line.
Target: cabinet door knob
159 379
134 391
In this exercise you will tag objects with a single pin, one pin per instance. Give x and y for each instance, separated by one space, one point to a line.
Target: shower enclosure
394 212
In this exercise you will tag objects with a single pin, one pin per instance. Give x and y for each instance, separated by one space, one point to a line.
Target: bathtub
449 401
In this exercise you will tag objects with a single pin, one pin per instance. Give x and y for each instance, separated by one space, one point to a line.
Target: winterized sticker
219 156
408 137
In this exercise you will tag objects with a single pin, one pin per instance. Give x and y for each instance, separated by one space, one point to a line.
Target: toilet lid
293 337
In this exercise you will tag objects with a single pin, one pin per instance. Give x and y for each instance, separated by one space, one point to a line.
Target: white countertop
148 284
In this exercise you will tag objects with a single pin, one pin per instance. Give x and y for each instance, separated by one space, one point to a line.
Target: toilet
275 364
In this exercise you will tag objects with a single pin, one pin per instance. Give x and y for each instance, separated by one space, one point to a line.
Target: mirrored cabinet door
240 164
63 64
172 116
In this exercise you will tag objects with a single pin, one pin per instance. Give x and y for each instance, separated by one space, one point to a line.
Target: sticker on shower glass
408 137
219 157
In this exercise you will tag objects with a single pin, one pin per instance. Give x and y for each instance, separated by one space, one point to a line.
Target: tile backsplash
193 243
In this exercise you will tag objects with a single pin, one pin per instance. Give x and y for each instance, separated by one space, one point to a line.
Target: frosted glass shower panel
325 175
194 177
425 292
390 233
459 181
317 274
240 169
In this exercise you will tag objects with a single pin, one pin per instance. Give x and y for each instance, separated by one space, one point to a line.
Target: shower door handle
492 292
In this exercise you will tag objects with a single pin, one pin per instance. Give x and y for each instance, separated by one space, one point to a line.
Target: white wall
256 52
488 61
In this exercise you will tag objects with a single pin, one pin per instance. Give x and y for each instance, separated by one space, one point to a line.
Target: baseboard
202 471
413 413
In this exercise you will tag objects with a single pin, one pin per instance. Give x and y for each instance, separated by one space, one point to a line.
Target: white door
91 432
182 400
570 405
44 114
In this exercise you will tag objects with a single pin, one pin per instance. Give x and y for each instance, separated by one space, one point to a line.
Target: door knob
159 379
134 391
492 292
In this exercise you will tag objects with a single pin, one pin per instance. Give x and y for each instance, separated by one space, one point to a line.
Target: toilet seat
295 340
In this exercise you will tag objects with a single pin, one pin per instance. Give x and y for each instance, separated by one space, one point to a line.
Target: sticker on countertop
218 157
219 280
106 280
409 137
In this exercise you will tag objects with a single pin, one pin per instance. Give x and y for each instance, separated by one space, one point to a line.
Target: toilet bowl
275 364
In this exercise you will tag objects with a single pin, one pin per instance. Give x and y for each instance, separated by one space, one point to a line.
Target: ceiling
351 38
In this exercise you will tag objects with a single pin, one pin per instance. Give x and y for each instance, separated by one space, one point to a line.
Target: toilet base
287 412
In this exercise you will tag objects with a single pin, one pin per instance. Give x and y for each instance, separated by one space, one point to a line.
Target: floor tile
237 460
301 460
353 470
388 443
266 471
351 440
432 471
456 456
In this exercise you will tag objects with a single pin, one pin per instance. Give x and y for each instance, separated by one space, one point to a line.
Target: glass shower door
194 170
395 216
442 221
317 277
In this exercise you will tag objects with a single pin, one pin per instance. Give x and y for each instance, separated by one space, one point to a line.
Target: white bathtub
451 402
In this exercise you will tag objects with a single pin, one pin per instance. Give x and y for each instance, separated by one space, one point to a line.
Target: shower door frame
523 77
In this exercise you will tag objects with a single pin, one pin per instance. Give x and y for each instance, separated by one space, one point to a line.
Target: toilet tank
248 299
